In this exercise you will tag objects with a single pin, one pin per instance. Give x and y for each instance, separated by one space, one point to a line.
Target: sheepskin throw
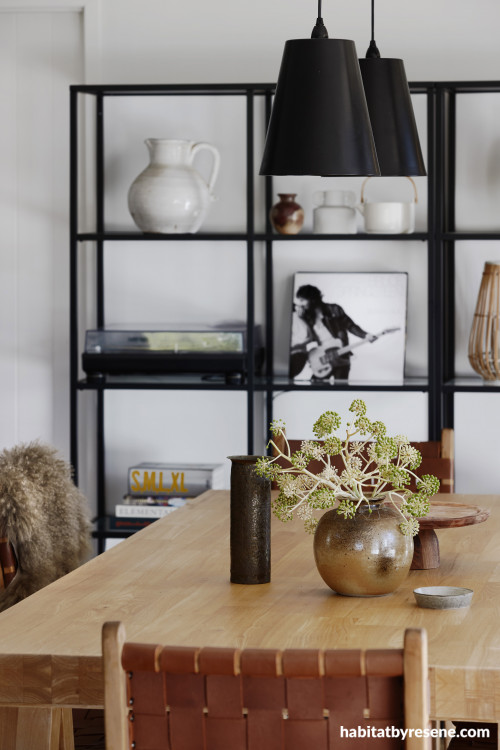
44 516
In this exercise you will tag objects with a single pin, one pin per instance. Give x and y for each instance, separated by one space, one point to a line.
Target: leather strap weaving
260 699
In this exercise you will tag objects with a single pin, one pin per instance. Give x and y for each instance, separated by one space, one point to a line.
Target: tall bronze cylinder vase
250 537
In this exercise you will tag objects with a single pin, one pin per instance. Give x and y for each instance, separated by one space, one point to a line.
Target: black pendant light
391 113
319 121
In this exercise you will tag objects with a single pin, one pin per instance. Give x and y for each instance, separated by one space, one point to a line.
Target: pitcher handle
215 164
407 177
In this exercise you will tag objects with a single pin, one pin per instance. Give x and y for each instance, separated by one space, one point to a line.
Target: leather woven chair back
182 698
437 459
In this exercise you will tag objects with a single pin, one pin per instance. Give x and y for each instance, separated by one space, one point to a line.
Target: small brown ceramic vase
363 556
287 216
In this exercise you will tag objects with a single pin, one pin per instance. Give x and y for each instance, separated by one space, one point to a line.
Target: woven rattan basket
484 335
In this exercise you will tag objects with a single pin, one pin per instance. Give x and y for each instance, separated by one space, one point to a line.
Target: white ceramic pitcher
169 196
388 217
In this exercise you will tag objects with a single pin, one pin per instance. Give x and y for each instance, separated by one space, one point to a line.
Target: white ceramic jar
169 196
334 212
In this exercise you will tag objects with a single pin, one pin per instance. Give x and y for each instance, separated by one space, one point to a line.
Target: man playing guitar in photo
320 336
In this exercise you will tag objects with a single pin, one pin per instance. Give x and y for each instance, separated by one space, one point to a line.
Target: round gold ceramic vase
363 556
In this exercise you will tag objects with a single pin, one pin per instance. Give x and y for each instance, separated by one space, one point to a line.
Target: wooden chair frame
8 562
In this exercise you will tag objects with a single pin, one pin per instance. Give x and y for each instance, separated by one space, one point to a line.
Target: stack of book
156 489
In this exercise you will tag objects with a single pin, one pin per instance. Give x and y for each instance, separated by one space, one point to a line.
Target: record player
218 350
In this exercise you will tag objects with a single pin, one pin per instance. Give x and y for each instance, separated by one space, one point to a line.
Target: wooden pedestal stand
442 516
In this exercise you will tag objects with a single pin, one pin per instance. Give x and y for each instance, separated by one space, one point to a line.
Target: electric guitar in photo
324 357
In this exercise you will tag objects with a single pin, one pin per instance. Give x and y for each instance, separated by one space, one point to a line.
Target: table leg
44 728
67 739
426 550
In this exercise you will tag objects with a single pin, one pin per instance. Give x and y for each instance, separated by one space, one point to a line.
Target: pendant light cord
319 31
372 50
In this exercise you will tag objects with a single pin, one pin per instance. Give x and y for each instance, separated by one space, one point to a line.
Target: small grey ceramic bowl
443 597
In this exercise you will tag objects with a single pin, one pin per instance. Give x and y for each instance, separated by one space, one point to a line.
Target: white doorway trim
91 11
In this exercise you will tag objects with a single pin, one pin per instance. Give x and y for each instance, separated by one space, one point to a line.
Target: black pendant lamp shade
391 113
319 121
392 117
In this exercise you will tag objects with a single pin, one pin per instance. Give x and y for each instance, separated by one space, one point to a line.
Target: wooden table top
170 583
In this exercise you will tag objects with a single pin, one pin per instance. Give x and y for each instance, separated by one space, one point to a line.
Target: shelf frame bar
73 283
250 353
269 281
434 343
446 173
99 271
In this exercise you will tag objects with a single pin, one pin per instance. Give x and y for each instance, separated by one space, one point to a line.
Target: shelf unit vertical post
250 270
434 315
269 271
100 224
100 209
446 224
73 281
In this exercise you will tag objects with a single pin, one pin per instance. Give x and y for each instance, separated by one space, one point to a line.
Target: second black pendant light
391 112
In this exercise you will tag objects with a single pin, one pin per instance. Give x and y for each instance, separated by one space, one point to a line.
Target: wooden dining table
169 583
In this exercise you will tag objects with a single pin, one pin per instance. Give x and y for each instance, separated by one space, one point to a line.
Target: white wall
40 55
223 40
165 41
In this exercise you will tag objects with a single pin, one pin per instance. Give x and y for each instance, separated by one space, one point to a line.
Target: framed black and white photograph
348 327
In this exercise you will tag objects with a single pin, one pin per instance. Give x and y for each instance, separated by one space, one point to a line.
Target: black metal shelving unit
440 239
446 383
